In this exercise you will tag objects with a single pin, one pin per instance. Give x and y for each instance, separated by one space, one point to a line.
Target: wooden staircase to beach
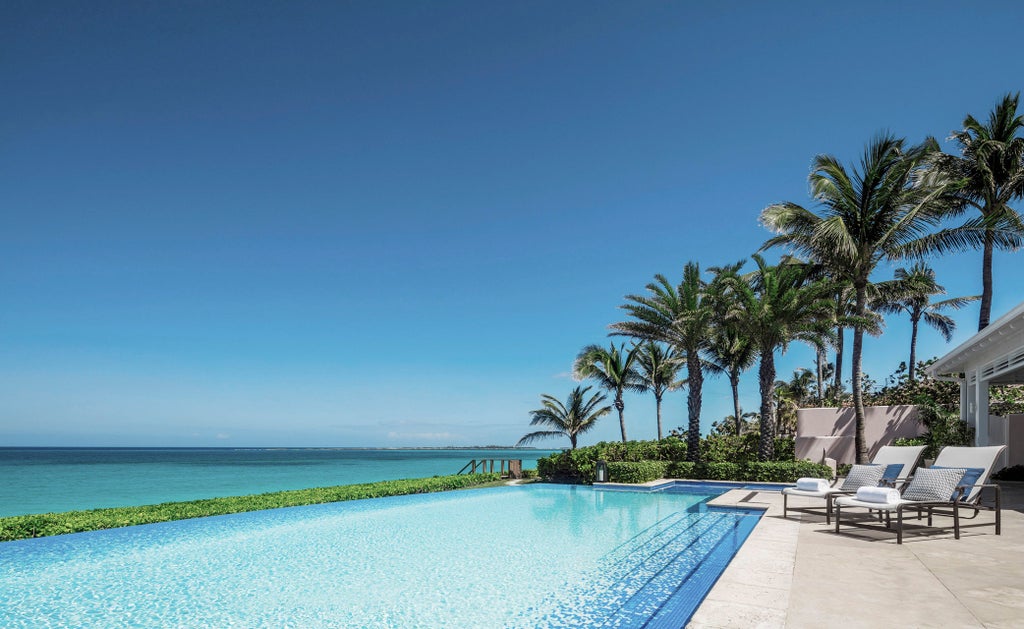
507 468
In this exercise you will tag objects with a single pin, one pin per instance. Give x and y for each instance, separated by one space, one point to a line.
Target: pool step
659 576
644 581
669 596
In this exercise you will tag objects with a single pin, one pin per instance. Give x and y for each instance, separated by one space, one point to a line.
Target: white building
993 356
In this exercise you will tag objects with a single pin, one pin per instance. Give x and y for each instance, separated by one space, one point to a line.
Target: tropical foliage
682 316
990 175
725 458
917 286
899 203
613 369
578 415
730 352
657 367
774 306
872 213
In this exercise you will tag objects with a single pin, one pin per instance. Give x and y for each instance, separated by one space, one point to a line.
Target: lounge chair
899 463
970 469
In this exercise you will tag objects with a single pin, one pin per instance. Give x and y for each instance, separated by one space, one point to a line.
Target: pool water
528 556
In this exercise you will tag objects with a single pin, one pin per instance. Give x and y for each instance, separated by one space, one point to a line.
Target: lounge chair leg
828 509
956 519
888 520
999 509
839 510
899 525
785 505
929 516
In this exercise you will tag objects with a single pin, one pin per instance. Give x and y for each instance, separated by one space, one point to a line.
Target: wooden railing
508 468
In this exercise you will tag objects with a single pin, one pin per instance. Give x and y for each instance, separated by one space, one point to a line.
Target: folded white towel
883 495
812 484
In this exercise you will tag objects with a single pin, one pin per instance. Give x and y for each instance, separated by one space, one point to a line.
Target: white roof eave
956 360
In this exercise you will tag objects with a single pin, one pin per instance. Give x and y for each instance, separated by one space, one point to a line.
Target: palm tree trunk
767 384
837 380
734 382
913 349
657 405
693 400
621 406
820 375
572 440
986 283
858 396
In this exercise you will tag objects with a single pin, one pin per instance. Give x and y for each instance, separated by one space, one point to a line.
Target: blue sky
364 223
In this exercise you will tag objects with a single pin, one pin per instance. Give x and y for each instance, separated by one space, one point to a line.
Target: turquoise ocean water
41 480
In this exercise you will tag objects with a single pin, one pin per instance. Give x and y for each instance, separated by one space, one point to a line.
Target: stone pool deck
798 573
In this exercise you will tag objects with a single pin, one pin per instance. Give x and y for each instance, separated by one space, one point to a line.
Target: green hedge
750 471
25 526
577 466
636 471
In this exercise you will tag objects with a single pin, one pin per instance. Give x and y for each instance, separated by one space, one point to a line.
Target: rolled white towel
812 484
883 495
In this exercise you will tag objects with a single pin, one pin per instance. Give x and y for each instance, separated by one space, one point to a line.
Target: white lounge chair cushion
933 484
863 476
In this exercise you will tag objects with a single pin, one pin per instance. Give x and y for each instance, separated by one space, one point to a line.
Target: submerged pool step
646 583
643 539
653 549
658 577
681 575
671 597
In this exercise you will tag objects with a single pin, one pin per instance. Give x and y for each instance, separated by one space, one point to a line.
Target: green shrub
42 525
530 474
575 466
785 449
743 448
910 441
750 471
636 471
730 447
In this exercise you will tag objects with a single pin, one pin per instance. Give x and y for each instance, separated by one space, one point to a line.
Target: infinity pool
529 556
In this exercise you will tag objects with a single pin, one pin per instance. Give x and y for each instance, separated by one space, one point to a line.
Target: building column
980 410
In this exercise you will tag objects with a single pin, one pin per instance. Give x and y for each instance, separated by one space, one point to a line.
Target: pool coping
754 590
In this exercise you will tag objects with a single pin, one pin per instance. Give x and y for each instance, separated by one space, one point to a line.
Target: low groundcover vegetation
723 457
42 525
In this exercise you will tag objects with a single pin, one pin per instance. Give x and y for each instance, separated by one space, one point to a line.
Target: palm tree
658 367
682 316
990 168
918 286
748 423
792 396
776 305
844 307
877 212
613 370
730 352
575 417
